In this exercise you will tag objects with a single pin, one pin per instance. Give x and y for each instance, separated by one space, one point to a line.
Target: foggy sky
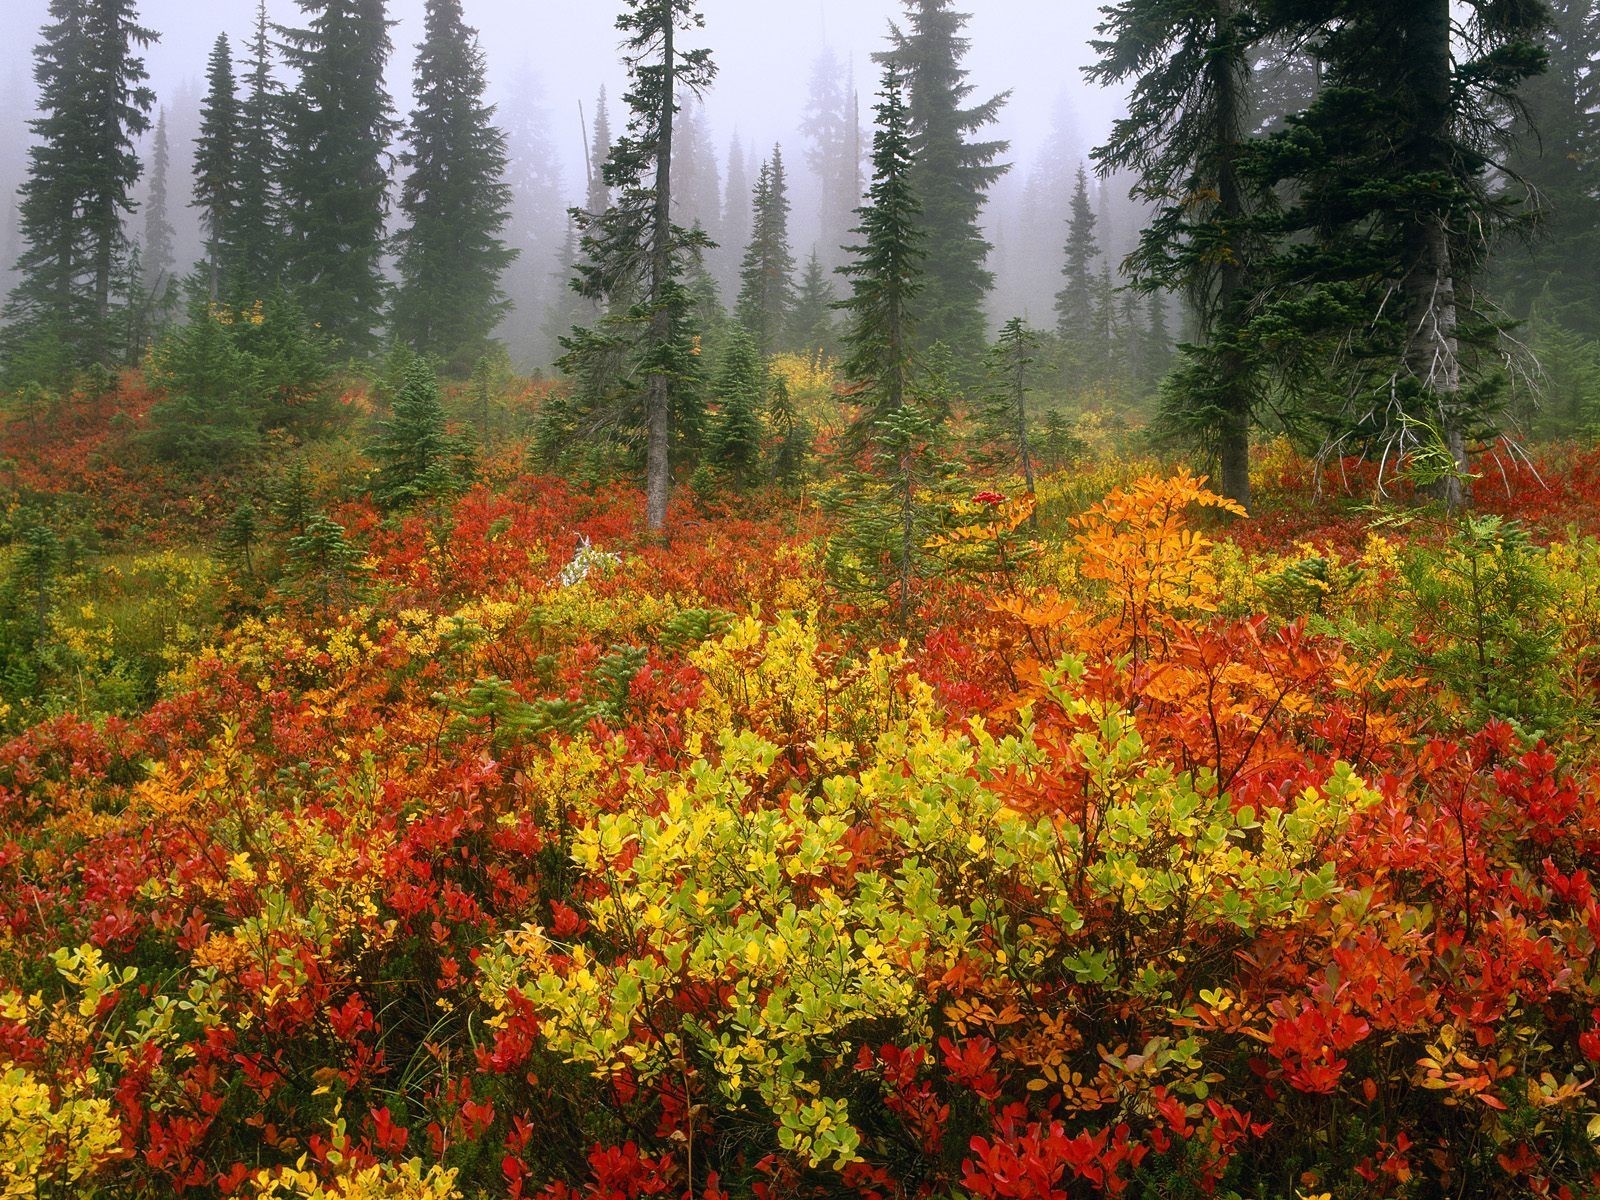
763 48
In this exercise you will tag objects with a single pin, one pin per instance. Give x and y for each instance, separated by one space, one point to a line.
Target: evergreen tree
451 255
217 168
736 214
1074 306
1392 170
256 244
811 325
338 122
951 173
635 257
886 273
1557 152
155 255
832 128
597 197
536 229
1006 413
1157 355
1185 136
81 172
418 457
791 436
766 280
735 443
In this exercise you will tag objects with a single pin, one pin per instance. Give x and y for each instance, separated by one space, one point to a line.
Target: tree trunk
1433 350
1230 82
658 394
1021 402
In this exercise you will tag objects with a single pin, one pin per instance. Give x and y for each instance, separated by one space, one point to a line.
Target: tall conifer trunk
1229 83
1433 352
658 395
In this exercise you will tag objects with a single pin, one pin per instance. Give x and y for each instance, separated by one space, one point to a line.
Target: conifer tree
766 280
886 273
597 197
635 257
217 163
1392 172
832 128
735 227
257 240
791 436
1184 137
451 254
1006 413
93 103
418 457
811 324
1557 152
156 255
951 172
735 442
1074 303
338 122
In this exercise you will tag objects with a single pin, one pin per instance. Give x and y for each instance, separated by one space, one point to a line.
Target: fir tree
951 173
791 434
256 244
735 218
1074 303
81 172
766 291
1391 171
832 128
1006 413
451 255
1557 152
597 197
217 168
635 257
1184 137
418 457
886 273
156 254
735 443
337 125
811 324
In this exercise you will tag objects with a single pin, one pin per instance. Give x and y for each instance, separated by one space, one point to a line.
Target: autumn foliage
1168 858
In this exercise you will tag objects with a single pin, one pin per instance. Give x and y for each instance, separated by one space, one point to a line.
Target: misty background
548 62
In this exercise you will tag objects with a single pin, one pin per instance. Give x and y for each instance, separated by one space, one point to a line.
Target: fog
546 58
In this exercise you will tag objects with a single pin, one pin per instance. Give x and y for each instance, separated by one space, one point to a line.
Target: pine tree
1184 137
81 172
257 238
338 122
832 128
597 197
1006 413
951 173
811 324
766 291
736 226
791 434
418 457
451 255
536 229
1392 172
1074 306
217 168
735 443
156 256
886 273
635 257
1558 153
